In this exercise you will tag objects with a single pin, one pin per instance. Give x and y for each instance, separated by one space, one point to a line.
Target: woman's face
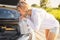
23 11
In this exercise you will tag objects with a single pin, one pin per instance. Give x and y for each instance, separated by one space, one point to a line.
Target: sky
30 2
51 3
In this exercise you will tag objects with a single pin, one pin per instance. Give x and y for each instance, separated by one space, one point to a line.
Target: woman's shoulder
39 12
38 9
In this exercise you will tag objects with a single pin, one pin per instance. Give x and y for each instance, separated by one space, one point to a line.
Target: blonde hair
23 4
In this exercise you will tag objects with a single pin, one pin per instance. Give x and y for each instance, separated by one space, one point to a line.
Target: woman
25 23
43 23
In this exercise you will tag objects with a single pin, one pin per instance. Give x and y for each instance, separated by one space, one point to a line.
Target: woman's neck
30 12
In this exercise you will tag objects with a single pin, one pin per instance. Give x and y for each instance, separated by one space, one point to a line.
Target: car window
8 13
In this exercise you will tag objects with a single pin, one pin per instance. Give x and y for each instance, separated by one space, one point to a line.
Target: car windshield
8 13
9 2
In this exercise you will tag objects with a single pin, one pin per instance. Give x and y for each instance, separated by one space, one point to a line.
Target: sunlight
30 2
53 3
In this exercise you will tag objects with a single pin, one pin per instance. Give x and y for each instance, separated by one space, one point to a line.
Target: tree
43 3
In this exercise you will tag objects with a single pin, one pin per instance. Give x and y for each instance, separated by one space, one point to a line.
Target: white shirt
42 20
26 27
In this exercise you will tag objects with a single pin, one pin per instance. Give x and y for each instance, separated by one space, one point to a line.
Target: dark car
9 19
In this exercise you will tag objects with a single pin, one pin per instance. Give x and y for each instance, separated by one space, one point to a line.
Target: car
9 19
